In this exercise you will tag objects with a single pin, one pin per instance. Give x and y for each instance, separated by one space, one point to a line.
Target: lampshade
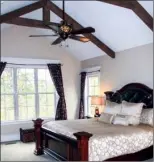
97 100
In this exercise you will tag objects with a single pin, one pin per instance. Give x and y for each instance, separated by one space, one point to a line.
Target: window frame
36 93
86 98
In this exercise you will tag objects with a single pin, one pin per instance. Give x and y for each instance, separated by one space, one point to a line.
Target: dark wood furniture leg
38 136
83 144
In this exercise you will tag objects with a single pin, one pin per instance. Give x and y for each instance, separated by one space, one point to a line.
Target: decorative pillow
147 117
133 120
132 109
106 118
121 120
112 108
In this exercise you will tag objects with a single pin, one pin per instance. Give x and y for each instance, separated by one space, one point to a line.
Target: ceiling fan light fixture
66 28
85 39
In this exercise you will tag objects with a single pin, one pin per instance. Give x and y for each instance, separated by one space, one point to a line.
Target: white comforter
108 140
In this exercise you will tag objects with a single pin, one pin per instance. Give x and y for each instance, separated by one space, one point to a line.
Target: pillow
112 107
133 120
120 119
106 118
147 117
132 109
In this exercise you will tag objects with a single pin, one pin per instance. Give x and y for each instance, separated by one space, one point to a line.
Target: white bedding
108 140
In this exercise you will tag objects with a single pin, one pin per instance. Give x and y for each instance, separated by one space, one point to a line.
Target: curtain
56 74
81 109
2 67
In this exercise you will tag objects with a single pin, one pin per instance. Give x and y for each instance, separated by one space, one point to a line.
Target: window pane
26 113
22 100
22 113
42 99
91 81
3 114
30 100
25 80
9 101
26 106
10 114
44 81
93 88
46 111
91 91
91 108
96 81
50 100
7 81
7 107
97 91
42 86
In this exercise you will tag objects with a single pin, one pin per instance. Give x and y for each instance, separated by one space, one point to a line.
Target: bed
83 140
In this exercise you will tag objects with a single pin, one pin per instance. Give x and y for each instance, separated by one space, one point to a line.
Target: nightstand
97 116
27 135
87 117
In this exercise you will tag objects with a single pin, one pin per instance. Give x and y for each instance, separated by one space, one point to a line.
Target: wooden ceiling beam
143 14
135 7
27 23
46 13
55 9
21 11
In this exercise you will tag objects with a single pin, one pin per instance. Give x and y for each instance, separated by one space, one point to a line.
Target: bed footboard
59 146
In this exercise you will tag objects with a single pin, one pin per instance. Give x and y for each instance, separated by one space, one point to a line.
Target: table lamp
97 101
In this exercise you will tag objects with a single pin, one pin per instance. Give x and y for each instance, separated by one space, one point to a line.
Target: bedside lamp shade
97 100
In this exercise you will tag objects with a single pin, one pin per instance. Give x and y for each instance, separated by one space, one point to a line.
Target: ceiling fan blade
57 41
54 26
83 31
43 35
79 38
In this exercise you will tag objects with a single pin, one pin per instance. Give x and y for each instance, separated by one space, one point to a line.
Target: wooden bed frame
64 148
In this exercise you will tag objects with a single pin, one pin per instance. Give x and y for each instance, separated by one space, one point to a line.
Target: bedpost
38 136
83 144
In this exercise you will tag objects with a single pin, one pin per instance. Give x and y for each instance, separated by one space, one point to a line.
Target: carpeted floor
24 152
21 152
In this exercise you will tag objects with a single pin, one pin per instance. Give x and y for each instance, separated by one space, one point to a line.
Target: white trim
87 112
36 94
10 137
17 60
91 69
18 122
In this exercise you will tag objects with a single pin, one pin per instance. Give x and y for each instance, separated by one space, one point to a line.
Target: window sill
24 121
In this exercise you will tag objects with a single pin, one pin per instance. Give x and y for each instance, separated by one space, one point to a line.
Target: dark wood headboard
133 92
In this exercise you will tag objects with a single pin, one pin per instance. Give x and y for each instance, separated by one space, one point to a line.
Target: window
27 93
92 89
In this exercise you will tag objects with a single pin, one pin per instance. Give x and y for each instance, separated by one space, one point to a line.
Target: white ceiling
117 27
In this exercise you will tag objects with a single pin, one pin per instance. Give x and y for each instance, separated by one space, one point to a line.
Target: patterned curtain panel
56 74
2 67
81 110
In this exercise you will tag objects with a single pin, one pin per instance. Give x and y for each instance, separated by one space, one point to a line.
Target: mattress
108 140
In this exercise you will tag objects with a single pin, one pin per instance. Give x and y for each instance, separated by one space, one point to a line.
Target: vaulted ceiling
117 27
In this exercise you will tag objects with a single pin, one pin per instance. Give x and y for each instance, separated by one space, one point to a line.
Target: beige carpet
24 152
21 152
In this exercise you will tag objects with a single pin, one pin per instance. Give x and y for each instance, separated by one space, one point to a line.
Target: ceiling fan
64 30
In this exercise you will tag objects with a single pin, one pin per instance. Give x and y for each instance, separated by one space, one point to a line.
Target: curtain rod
92 71
31 64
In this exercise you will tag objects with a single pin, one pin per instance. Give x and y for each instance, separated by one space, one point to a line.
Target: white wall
133 65
16 43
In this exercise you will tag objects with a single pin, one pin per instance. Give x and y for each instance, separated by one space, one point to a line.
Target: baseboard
11 137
